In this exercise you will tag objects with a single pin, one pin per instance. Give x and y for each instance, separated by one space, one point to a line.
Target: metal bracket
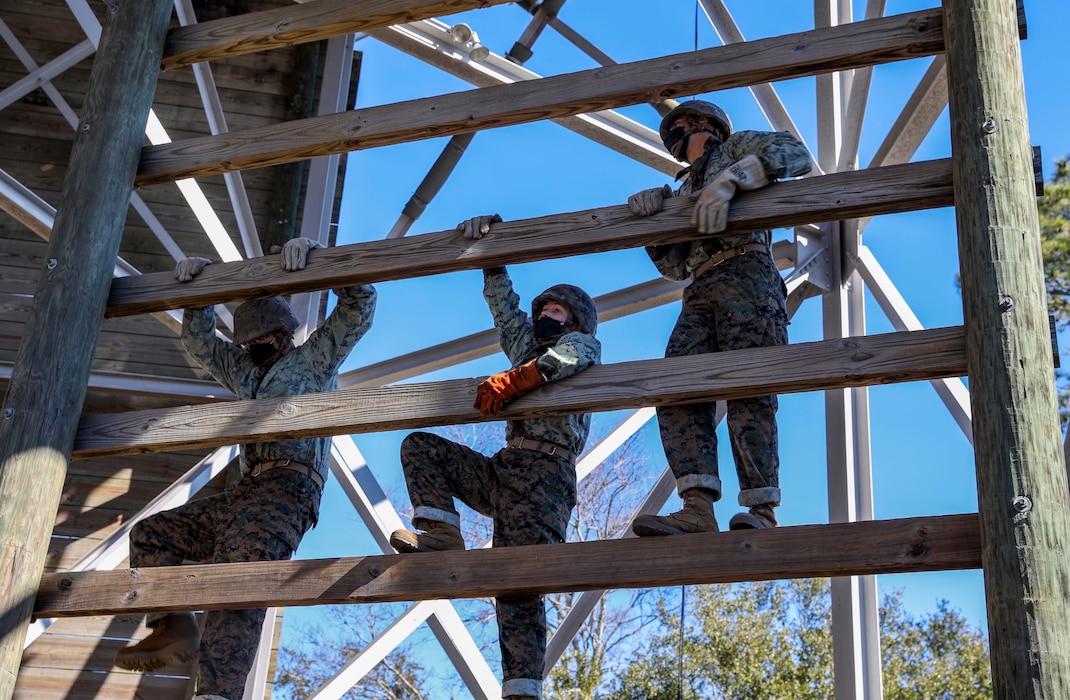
813 258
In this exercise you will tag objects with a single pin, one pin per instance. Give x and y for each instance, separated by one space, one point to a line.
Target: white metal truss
217 123
764 94
952 391
429 40
831 262
323 173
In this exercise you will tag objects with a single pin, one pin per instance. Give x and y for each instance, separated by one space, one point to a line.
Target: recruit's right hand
188 268
477 226
648 202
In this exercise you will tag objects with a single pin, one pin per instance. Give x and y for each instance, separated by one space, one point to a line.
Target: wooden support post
48 383
1021 481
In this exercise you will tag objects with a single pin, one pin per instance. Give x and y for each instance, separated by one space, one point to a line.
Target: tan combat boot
174 639
696 516
760 517
440 537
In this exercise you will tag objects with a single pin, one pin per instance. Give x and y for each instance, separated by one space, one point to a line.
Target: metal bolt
990 126
1022 504
52 263
86 127
9 413
1006 304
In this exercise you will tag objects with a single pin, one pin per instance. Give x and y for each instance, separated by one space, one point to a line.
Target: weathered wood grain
1023 500
871 42
833 364
940 543
51 371
299 24
847 195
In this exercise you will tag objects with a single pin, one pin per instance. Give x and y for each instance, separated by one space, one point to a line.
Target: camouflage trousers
257 519
529 495
737 304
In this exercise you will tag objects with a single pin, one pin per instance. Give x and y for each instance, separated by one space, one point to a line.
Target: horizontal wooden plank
854 45
830 364
299 24
89 653
939 543
122 627
59 684
846 195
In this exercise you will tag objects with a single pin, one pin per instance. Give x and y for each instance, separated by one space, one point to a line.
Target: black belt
288 464
523 443
720 256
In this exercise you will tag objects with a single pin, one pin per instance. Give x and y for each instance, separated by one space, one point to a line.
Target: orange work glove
500 388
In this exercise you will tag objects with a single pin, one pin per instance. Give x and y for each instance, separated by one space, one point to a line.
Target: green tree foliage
774 640
937 657
1054 210
325 649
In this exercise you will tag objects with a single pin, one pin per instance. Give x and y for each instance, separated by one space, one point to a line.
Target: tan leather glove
501 388
711 210
648 202
188 268
295 253
475 227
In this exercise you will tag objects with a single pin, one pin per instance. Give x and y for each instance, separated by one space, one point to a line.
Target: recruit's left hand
477 226
295 252
190 267
711 210
498 389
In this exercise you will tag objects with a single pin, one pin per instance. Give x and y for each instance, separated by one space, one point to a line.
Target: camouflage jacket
572 353
309 368
782 155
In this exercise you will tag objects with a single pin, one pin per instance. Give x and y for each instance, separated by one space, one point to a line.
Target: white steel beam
322 177
764 94
217 124
952 391
380 517
855 624
916 119
857 99
156 134
429 40
37 78
256 680
376 650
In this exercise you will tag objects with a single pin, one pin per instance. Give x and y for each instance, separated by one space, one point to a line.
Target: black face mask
547 327
262 353
676 141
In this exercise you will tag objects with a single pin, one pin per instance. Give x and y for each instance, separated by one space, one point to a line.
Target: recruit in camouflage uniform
264 515
736 300
527 488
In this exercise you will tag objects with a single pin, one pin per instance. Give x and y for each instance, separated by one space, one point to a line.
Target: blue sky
922 463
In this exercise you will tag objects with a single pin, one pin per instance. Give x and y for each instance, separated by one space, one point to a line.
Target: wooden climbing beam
938 543
846 195
299 24
830 364
855 45
1023 498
